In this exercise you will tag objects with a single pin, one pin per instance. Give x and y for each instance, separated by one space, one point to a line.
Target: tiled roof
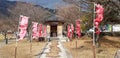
54 18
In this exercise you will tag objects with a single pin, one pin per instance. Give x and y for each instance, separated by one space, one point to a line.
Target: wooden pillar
59 31
48 31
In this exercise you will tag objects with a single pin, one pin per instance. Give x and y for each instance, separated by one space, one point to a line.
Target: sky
52 4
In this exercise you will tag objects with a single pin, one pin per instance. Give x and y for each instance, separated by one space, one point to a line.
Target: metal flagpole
94 50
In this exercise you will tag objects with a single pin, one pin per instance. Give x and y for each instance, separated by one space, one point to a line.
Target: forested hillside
10 12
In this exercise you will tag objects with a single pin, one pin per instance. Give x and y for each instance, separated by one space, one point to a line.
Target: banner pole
76 43
16 50
31 46
17 37
94 48
31 40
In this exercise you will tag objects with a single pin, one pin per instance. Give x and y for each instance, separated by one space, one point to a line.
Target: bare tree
112 8
70 13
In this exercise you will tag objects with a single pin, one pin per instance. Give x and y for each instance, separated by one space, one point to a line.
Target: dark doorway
53 31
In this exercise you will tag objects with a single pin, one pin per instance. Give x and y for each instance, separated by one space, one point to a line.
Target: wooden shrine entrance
54 27
53 30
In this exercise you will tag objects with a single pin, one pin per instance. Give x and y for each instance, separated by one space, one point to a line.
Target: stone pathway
54 49
64 53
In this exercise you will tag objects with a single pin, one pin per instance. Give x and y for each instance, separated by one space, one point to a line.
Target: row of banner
38 30
99 10
71 31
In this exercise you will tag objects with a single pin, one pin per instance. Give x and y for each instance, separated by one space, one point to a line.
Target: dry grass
8 36
23 50
84 49
2 36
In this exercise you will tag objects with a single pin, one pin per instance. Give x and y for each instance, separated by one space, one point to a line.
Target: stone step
54 38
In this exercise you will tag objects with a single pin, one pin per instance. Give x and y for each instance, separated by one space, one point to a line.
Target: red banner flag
23 26
40 30
72 30
34 30
78 28
99 17
45 31
69 31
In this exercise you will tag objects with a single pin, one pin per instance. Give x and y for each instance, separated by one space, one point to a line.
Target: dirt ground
108 47
23 49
